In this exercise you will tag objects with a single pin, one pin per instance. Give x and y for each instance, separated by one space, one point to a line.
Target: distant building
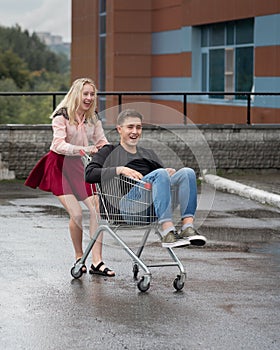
183 45
50 39
55 43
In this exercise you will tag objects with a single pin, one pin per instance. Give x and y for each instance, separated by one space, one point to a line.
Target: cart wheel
135 271
178 284
76 274
142 285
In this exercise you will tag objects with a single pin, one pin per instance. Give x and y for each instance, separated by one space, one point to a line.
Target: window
227 57
102 52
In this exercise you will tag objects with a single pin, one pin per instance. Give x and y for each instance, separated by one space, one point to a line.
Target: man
128 159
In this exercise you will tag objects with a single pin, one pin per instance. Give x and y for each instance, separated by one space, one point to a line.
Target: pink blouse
66 137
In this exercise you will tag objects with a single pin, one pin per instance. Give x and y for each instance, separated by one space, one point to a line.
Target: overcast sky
52 16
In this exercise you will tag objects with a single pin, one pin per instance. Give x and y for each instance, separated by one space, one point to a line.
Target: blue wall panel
171 84
267 84
171 42
267 30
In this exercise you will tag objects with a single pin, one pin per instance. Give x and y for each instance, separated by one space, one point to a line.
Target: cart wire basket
126 203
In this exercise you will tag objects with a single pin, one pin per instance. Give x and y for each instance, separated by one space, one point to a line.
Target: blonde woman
75 127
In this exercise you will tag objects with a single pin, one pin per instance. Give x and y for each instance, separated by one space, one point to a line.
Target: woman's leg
92 204
74 210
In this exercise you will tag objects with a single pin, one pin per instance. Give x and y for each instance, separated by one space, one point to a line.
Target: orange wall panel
217 114
132 43
167 18
197 12
205 114
132 84
172 65
159 4
267 61
110 46
131 21
133 66
84 46
128 45
130 4
265 115
171 15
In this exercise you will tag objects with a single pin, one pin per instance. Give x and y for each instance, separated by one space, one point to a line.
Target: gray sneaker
193 236
172 240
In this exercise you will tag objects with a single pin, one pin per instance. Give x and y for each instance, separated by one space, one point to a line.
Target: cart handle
147 185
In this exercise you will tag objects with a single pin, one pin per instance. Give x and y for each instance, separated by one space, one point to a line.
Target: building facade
194 46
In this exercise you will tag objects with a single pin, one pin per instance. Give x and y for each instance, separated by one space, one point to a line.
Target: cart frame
111 219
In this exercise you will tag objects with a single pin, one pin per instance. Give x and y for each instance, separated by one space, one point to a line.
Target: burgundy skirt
60 175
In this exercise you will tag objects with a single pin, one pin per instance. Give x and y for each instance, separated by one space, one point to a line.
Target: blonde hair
72 100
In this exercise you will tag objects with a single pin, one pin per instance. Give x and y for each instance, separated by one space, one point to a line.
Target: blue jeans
167 193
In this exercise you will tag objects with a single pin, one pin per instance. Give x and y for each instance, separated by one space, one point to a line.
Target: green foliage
9 106
12 66
29 48
27 64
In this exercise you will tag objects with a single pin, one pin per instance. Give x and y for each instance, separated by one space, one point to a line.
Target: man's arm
105 164
95 171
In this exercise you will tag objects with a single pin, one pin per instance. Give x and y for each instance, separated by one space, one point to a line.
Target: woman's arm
99 137
60 135
59 144
62 131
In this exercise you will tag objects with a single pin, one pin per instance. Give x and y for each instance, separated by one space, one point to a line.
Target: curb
234 187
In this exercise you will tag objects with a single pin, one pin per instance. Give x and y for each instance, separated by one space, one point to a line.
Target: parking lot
230 299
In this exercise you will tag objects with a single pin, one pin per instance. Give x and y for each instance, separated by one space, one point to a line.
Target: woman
75 127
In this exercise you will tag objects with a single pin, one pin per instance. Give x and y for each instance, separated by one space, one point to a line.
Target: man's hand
123 170
170 171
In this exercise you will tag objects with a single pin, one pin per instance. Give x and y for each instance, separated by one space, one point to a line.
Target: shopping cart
117 213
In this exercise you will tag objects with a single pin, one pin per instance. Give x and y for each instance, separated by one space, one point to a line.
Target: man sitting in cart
139 163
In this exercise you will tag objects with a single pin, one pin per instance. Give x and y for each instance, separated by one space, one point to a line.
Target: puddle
249 213
51 210
256 214
271 249
267 248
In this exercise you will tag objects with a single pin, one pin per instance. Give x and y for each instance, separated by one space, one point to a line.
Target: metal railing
120 94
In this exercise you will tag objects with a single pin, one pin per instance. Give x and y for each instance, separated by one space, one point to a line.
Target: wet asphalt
231 297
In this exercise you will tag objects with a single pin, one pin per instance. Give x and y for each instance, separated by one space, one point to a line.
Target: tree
14 67
27 64
9 106
29 48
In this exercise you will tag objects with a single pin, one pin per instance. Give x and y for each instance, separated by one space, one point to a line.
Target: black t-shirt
105 161
102 170
143 165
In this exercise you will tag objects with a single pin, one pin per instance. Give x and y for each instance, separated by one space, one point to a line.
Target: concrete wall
225 147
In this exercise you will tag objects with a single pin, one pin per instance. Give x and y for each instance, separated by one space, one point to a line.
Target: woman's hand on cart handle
125 171
90 149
